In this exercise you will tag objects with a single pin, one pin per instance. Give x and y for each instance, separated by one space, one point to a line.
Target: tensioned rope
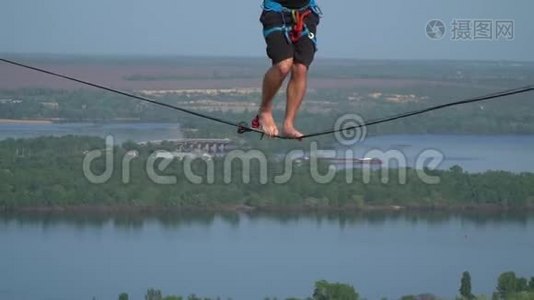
243 127
501 94
145 99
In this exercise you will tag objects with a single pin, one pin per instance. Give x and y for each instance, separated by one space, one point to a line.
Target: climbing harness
297 28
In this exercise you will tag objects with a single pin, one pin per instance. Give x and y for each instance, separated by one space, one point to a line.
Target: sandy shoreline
241 208
22 121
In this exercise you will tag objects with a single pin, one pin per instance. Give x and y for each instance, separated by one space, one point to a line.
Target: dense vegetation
509 287
47 172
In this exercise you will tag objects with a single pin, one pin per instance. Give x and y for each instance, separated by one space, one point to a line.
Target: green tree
123 296
173 298
522 284
507 284
334 291
153 294
465 286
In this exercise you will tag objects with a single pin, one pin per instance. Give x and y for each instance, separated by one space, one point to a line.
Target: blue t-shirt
293 3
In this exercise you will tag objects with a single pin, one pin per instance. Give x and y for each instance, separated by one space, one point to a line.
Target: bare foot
291 132
267 124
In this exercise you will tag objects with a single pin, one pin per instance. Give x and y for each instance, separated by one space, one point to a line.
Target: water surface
254 256
474 153
122 132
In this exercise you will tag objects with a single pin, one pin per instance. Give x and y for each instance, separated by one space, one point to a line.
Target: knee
299 70
284 67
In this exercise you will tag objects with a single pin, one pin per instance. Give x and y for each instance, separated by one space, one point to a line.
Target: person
290 31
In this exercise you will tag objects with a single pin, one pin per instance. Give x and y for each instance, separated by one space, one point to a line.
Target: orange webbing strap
298 24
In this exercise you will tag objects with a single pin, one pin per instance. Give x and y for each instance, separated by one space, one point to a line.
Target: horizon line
37 55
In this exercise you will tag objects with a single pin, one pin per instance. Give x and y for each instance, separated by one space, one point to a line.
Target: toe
293 133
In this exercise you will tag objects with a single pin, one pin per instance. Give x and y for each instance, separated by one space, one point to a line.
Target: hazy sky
366 29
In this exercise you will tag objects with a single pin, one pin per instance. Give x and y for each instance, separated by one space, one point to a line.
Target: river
121 132
255 256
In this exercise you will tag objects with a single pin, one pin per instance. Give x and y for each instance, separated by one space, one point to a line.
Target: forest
49 172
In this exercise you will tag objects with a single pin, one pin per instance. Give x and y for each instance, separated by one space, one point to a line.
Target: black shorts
279 48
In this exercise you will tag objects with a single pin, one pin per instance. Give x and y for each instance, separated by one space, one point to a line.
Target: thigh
306 46
278 47
304 51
